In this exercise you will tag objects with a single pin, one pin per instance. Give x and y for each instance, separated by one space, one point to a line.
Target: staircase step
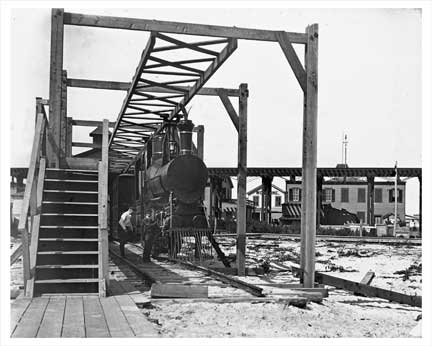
66 266
70 281
67 252
67 258
57 273
70 196
69 219
71 185
71 174
69 207
53 244
68 232
72 170
69 239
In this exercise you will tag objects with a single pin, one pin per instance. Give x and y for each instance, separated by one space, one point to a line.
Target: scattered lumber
165 290
16 254
366 290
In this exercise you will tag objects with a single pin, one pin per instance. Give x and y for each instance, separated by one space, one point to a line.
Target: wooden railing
32 201
103 213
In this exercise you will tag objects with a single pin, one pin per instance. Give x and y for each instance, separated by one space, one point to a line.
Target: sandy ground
340 315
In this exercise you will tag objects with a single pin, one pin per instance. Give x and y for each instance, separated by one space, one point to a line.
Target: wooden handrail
38 149
102 213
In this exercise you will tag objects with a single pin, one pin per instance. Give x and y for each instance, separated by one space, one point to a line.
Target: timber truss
170 72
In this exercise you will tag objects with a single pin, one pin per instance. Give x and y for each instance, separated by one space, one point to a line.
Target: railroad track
222 288
296 237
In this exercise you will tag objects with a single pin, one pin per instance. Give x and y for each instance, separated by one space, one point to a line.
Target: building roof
259 188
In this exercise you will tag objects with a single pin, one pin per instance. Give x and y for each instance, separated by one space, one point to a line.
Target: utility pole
395 200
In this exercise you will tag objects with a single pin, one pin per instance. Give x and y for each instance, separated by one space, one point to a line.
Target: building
277 199
351 194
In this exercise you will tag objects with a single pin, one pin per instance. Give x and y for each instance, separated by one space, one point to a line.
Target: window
391 195
344 195
256 200
361 216
377 219
329 195
378 196
361 195
278 201
295 195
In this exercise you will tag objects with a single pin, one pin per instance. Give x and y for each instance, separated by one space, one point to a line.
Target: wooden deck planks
95 323
73 323
31 319
137 321
52 322
116 320
18 308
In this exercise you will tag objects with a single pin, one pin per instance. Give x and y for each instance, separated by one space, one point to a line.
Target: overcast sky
369 83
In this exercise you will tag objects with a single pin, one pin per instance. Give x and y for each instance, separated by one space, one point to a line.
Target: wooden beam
177 27
292 58
86 145
166 290
370 201
112 85
309 173
55 92
241 180
91 123
229 108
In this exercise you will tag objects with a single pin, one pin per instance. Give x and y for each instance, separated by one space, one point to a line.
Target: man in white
126 229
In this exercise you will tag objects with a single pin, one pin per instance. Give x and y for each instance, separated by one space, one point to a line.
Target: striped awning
291 211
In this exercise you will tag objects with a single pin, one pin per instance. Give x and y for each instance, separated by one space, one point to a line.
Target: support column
69 137
309 180
420 204
266 190
241 180
263 198
370 201
320 180
55 92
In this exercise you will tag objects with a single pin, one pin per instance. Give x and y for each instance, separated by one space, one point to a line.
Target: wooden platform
79 317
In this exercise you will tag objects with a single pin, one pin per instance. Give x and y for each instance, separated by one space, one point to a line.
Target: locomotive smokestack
157 151
185 130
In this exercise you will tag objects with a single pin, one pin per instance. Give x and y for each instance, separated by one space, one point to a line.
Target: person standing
126 229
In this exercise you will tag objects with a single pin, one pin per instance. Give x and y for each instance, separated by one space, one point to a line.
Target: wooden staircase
63 223
67 258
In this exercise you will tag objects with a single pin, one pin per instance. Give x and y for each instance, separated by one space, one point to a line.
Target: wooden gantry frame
307 76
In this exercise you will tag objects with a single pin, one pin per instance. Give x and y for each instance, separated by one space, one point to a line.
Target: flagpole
395 200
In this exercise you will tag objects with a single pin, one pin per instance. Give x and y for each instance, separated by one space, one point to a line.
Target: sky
369 77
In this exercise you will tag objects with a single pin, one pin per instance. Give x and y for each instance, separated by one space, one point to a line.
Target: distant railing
32 201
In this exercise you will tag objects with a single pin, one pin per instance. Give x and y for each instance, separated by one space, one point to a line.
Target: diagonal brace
292 58
229 108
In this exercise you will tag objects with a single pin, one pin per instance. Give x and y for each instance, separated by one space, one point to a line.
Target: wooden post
320 180
267 189
263 198
69 127
200 141
370 201
309 180
241 180
420 204
55 92
102 214
63 120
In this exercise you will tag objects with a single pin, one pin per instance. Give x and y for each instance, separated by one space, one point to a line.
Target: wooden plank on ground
95 324
117 324
30 321
367 279
137 321
52 321
178 291
18 307
73 322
